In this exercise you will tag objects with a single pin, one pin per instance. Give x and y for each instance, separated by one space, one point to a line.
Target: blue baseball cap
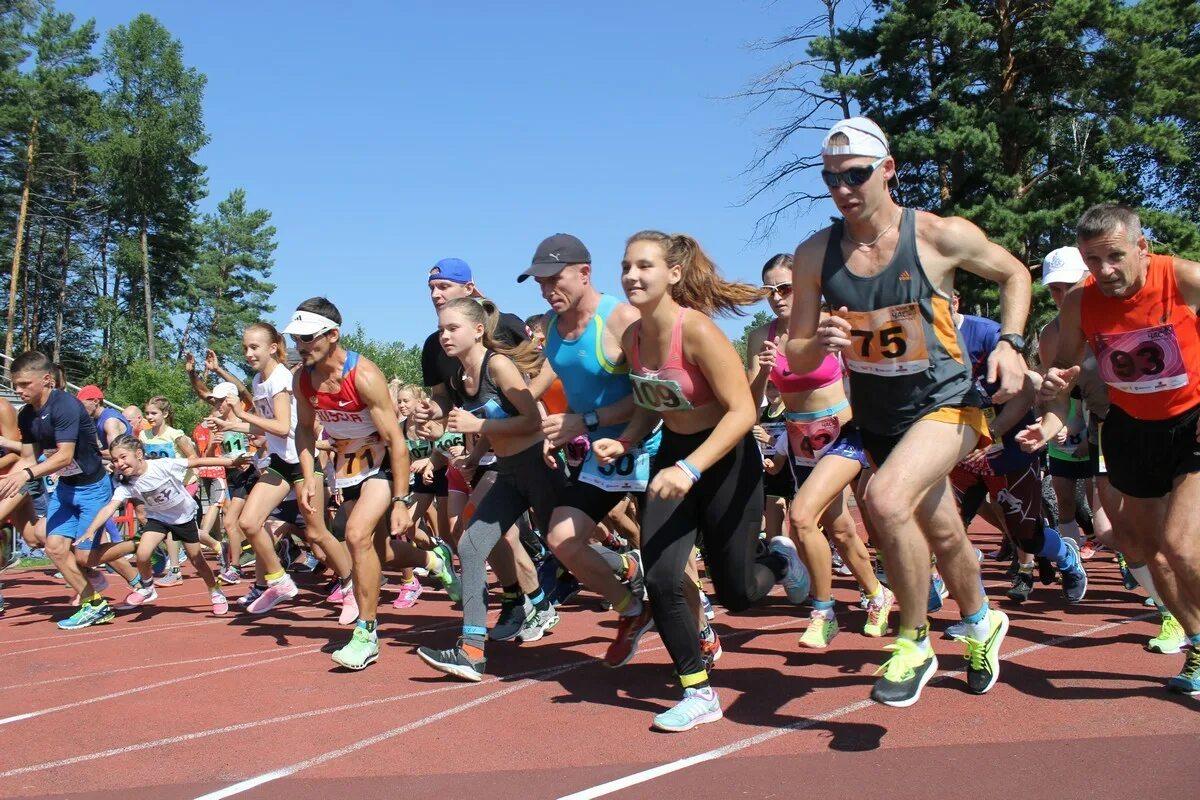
451 269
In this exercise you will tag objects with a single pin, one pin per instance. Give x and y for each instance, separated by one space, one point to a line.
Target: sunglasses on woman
782 289
853 177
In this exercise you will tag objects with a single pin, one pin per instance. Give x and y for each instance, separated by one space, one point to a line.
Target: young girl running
163 440
158 485
492 401
827 456
707 476
274 416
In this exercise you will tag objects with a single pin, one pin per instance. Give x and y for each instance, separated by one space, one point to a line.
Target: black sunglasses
781 289
853 177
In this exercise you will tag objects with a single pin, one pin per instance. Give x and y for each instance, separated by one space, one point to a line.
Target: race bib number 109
889 341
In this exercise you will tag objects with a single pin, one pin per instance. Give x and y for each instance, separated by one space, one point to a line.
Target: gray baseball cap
554 253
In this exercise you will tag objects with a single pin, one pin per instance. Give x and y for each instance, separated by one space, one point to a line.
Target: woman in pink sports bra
826 456
706 479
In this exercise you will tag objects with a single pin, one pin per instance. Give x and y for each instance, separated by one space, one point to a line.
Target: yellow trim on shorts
968 416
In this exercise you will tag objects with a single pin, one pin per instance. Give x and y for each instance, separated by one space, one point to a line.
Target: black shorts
241 481
480 471
1071 470
186 532
438 488
1144 457
591 500
351 493
289 472
781 484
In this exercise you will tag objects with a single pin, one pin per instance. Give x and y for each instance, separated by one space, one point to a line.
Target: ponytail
481 311
701 286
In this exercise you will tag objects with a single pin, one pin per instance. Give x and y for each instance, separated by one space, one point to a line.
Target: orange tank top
555 398
1147 345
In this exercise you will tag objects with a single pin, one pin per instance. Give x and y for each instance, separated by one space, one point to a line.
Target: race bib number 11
889 341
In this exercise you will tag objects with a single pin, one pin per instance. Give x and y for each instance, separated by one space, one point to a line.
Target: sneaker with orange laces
629 630
710 649
1089 549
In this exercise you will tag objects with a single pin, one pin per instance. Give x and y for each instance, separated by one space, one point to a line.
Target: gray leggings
523 481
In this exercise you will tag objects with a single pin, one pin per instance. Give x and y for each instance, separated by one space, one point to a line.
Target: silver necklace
873 242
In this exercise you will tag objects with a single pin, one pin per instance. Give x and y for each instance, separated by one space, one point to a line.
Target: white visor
306 323
866 139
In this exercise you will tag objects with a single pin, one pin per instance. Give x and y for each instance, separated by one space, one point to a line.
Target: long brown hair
483 312
701 287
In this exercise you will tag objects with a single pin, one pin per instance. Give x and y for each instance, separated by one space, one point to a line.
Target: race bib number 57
889 341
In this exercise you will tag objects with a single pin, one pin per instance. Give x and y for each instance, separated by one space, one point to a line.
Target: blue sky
384 136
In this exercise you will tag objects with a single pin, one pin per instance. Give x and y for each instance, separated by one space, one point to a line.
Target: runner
827 457
163 440
56 425
110 423
492 402
274 416
348 396
888 273
24 509
582 344
170 509
1011 476
1138 313
706 479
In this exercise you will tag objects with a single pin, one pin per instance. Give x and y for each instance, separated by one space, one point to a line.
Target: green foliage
394 359
142 380
760 318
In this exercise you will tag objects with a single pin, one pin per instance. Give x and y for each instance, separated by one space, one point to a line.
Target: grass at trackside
30 563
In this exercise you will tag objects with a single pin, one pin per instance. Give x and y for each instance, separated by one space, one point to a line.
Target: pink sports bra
787 382
676 385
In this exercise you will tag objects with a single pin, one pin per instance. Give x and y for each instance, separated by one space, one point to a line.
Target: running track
173 703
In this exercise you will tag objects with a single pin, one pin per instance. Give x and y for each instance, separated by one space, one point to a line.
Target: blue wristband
692 472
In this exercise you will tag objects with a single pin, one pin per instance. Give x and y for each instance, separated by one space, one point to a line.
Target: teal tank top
590 381
906 357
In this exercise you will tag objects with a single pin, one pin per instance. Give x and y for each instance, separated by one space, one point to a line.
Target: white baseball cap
866 139
224 390
1064 265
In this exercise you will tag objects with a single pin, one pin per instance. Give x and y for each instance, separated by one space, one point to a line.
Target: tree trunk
34 323
19 238
187 331
146 293
106 333
62 289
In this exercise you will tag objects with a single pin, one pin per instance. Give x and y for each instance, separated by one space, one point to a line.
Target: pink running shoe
220 604
338 594
276 593
349 613
409 592
139 597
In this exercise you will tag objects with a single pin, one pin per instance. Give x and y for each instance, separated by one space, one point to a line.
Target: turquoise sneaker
697 707
86 616
1188 680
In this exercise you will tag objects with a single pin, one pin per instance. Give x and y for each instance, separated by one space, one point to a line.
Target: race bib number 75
889 341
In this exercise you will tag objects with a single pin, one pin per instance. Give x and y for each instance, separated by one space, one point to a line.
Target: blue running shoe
1074 577
86 616
1188 680
937 593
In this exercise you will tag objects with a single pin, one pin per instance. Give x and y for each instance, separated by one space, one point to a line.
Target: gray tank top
906 357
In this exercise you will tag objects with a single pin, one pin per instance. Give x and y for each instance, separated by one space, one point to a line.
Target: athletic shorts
185 532
879 446
438 488
72 508
351 493
289 472
848 445
591 500
36 491
455 482
241 482
781 484
1144 457
1071 470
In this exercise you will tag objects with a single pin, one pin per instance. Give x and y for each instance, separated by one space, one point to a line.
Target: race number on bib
657 394
70 469
888 342
1141 361
629 473
774 430
418 449
355 460
809 439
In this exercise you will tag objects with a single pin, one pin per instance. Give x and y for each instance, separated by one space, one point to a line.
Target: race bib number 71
889 341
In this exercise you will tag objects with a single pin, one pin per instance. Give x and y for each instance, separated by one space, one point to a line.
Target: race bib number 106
889 341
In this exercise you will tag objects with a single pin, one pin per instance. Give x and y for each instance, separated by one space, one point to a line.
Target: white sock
1142 573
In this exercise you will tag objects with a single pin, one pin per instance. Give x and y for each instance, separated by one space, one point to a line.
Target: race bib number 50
1141 361
629 473
889 341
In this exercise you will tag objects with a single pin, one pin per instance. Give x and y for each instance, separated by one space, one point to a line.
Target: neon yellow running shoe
360 652
983 657
878 611
1171 638
904 674
822 627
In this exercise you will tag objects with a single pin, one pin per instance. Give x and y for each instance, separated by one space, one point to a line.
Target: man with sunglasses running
888 274
349 396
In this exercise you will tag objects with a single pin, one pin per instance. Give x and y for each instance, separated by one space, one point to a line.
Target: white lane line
147 687
104 673
636 778
85 639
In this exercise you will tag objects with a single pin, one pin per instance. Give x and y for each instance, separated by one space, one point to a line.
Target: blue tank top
105 416
590 381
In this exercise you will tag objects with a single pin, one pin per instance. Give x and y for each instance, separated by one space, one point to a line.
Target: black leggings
726 508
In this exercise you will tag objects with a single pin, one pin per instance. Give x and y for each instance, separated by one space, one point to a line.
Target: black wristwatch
591 420
1016 340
